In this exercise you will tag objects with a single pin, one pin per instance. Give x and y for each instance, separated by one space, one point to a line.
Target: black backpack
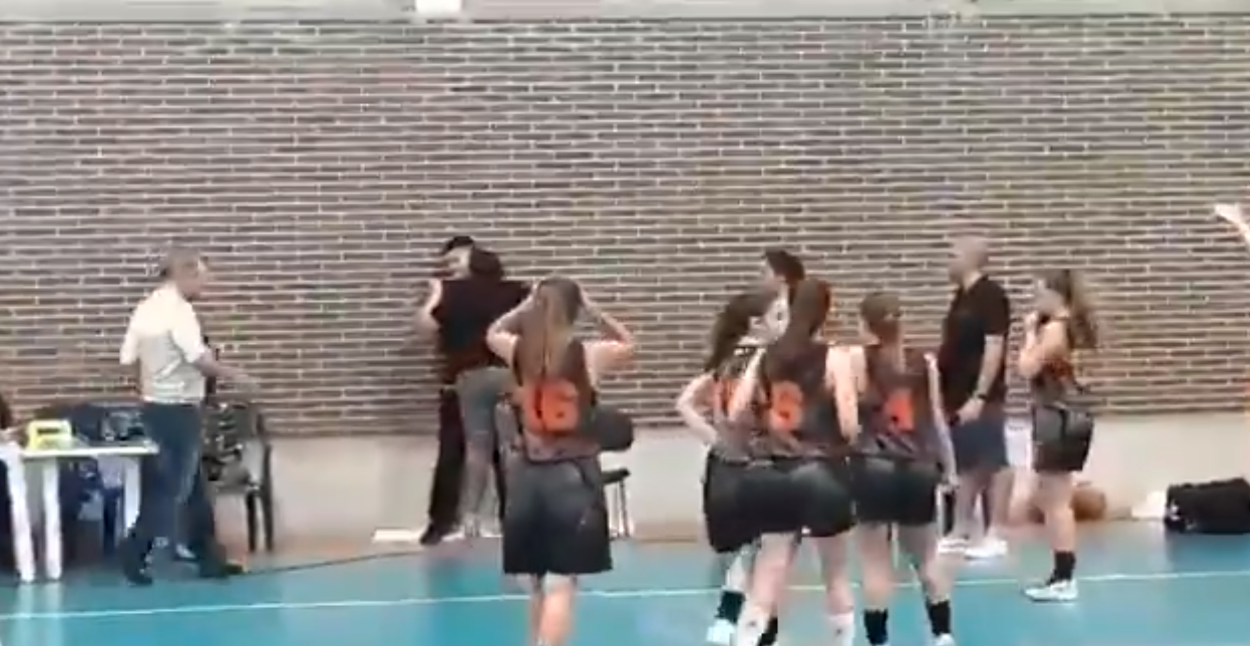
1219 507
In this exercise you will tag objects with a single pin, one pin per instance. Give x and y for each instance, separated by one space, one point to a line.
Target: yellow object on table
49 434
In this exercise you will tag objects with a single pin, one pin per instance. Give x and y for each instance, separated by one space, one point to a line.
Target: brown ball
1089 504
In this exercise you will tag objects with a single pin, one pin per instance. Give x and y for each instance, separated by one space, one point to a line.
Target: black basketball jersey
555 411
897 406
797 412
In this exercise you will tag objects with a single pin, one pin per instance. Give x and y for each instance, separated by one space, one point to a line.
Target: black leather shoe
220 569
134 563
433 535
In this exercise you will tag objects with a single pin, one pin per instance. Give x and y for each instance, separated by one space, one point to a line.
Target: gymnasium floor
1138 589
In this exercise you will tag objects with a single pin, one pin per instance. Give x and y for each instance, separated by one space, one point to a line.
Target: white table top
120 450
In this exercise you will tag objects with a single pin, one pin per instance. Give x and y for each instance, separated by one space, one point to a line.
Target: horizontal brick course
320 164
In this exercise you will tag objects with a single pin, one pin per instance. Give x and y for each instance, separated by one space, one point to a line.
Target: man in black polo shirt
972 361
445 489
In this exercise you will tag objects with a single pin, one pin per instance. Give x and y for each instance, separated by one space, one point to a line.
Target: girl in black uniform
702 406
902 455
555 518
1062 428
799 396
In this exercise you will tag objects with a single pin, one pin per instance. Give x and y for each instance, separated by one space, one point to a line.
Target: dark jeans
449 469
175 490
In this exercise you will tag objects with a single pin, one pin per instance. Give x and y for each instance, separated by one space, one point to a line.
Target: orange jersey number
549 407
900 414
784 409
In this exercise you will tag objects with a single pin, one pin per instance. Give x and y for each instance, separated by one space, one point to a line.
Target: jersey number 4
549 407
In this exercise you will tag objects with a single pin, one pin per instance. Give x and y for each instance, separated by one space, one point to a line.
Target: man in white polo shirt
166 347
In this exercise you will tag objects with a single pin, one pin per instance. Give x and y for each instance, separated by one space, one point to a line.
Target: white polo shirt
164 337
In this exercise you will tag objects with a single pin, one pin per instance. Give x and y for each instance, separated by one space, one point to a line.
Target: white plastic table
48 461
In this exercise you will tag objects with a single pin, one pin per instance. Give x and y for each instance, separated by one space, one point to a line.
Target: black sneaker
220 569
134 563
435 534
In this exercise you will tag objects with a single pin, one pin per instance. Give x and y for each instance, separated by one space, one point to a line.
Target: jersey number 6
785 407
549 407
900 414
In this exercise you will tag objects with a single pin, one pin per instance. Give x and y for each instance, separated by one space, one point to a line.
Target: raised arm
1039 346
840 376
615 349
501 335
427 317
1234 215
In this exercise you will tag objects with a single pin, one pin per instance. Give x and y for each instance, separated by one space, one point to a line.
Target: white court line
502 598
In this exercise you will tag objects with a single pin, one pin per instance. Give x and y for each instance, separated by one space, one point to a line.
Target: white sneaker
952 545
720 633
988 548
944 640
1054 592
456 534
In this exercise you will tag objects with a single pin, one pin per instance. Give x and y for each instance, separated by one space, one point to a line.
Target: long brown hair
808 312
546 328
732 324
1071 288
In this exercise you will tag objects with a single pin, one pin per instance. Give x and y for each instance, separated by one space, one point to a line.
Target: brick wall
320 164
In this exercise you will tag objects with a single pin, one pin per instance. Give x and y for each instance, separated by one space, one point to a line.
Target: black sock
1065 567
876 629
730 605
770 636
939 617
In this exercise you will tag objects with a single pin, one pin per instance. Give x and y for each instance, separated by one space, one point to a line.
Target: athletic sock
939 617
843 628
752 624
876 627
1065 567
730 607
770 635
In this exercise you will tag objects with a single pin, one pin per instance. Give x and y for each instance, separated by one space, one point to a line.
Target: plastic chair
616 435
238 459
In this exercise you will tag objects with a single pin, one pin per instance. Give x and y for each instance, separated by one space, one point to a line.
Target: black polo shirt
469 306
979 311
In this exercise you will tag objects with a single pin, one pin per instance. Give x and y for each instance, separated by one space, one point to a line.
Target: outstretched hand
1231 213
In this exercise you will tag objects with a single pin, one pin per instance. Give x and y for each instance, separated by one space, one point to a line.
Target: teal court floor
1139 588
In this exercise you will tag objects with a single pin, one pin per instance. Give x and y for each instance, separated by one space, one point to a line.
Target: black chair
238 459
615 432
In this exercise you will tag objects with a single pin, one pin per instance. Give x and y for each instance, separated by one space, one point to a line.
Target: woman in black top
703 405
1062 324
799 397
904 452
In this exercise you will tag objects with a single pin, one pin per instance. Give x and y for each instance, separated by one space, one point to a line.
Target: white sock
752 624
843 625
739 571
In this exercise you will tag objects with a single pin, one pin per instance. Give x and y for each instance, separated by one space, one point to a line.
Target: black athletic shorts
556 519
725 521
889 491
790 495
1065 454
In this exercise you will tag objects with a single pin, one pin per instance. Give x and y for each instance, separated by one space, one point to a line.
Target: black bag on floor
1219 507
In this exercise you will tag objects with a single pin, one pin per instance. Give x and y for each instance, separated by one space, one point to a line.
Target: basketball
1089 504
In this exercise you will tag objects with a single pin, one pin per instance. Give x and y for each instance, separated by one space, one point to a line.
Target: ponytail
545 334
1084 323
